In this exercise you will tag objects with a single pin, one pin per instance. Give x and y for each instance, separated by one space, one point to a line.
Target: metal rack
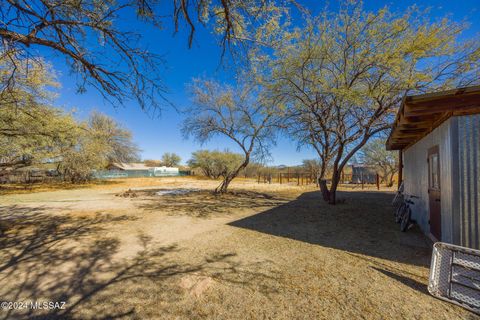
455 275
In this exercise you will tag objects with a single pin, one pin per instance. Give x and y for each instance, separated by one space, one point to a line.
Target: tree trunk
390 183
333 188
340 163
321 175
223 187
337 170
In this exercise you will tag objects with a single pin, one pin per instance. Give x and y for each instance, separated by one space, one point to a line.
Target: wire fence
307 178
116 174
48 176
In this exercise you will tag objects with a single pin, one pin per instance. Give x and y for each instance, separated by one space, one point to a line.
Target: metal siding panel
455 196
469 179
476 202
461 180
446 182
416 178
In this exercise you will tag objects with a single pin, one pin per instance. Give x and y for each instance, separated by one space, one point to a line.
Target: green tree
345 74
100 141
34 132
204 160
226 163
31 130
375 153
215 164
171 159
243 114
152 163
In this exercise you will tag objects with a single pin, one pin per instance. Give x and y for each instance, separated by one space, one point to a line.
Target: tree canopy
242 114
109 56
99 141
34 132
31 129
170 159
344 74
215 164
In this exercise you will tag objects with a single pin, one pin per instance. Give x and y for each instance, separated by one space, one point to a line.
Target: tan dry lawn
262 252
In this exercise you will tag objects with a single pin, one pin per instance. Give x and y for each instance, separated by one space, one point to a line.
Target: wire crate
455 275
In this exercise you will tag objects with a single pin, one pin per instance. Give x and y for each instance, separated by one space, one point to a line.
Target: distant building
362 173
165 171
132 166
138 169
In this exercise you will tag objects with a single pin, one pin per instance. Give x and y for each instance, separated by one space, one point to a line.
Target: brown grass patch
261 251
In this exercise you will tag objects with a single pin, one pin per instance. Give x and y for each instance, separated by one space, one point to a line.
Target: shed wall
416 177
468 181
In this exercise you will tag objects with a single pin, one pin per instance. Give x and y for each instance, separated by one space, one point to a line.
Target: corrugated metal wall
468 140
416 177
458 139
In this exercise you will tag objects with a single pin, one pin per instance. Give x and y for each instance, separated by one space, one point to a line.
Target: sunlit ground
262 251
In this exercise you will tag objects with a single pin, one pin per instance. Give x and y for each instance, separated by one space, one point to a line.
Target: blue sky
161 133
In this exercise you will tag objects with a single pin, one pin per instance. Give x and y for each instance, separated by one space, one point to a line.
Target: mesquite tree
344 75
375 153
105 52
243 114
31 129
215 164
99 141
170 159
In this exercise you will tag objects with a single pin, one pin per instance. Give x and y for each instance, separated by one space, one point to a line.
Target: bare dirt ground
261 252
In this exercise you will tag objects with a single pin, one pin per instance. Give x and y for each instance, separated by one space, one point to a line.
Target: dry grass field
260 252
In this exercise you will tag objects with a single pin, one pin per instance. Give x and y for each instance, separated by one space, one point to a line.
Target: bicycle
398 202
403 214
398 199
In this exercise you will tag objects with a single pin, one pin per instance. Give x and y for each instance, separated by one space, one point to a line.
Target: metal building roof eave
420 114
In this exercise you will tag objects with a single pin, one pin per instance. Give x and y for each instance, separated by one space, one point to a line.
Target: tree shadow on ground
408 281
71 259
18 188
206 203
363 225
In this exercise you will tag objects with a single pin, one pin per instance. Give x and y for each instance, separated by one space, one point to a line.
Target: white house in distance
139 169
438 135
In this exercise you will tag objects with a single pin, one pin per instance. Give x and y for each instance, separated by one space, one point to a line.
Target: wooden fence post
378 182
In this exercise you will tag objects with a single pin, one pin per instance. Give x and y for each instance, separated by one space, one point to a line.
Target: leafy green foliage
152 163
344 74
99 142
171 159
215 164
31 131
